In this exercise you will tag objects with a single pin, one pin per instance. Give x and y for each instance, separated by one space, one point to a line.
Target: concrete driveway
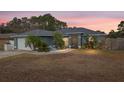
51 52
4 54
9 53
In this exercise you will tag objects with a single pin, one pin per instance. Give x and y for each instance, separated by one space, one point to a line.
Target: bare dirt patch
78 65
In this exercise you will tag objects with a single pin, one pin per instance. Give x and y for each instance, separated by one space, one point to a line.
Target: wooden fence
114 43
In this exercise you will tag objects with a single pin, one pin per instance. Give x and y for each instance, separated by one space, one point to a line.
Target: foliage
100 31
46 22
31 42
36 43
43 47
121 26
58 39
119 33
95 42
4 29
112 34
90 41
86 41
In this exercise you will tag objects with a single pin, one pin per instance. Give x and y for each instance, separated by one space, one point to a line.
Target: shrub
90 42
117 34
58 39
36 43
43 47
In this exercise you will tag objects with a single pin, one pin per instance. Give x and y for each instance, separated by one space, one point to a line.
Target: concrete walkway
4 54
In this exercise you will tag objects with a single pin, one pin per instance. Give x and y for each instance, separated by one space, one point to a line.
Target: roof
80 30
35 33
64 31
6 36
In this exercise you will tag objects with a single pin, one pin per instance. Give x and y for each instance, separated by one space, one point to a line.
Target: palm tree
36 43
58 39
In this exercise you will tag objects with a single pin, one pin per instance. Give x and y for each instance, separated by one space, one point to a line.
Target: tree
119 33
100 31
15 25
58 39
25 24
31 42
4 29
121 26
112 34
51 23
36 43
46 22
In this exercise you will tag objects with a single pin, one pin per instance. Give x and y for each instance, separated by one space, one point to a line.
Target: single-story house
73 37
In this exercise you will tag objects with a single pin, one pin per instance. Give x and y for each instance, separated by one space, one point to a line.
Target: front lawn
78 65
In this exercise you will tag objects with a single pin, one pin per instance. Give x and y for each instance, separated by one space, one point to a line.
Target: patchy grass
117 55
78 65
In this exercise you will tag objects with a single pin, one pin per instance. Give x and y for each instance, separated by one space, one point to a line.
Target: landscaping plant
36 43
58 40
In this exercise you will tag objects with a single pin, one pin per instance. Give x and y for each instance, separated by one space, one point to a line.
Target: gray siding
48 40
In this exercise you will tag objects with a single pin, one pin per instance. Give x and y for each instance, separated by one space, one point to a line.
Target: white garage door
21 44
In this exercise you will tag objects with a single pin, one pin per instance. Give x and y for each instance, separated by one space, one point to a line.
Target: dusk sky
104 21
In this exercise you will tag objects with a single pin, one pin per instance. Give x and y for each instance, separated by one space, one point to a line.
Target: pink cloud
91 22
95 23
3 20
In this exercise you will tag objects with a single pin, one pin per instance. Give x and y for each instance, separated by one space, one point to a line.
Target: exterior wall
75 41
66 40
79 41
100 38
71 40
8 47
20 43
2 42
48 40
11 42
15 43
